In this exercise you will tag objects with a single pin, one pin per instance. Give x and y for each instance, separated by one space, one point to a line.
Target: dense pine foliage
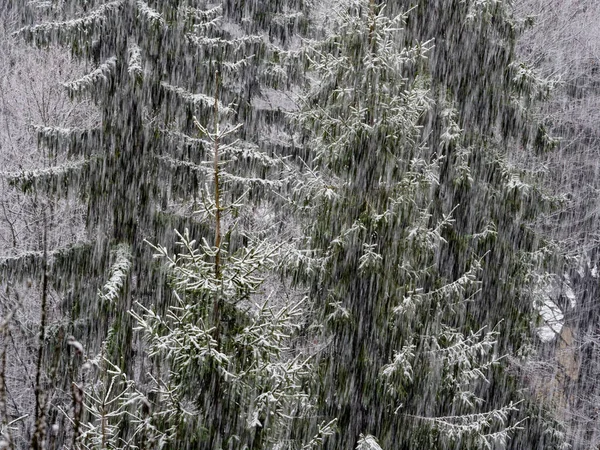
292 224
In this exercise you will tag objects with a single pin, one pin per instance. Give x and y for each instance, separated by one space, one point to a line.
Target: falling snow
299 224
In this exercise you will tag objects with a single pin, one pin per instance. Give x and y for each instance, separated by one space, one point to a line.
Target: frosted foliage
460 362
478 426
118 274
196 100
367 442
456 290
62 30
452 136
299 224
324 430
148 13
93 79
134 65
402 363
208 19
482 7
345 112
267 379
111 400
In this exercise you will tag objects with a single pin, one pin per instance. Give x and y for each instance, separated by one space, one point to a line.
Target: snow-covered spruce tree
227 376
474 73
495 101
399 367
153 67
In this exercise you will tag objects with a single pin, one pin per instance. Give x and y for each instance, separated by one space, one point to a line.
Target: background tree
30 93
563 44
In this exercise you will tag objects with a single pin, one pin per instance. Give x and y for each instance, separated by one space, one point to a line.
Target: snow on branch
463 362
134 66
370 259
275 100
231 69
401 363
59 133
149 14
478 427
253 181
177 140
118 274
196 100
108 402
208 19
288 18
75 140
481 8
184 340
42 4
204 16
207 171
26 263
527 82
21 265
93 79
247 151
450 293
297 259
47 178
368 442
324 429
57 31
256 362
469 357
237 150
193 271
315 185
244 44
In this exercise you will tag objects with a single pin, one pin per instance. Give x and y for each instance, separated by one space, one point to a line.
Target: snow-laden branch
134 66
117 275
196 100
94 79
149 14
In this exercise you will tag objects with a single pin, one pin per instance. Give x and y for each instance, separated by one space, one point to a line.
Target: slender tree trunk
37 442
6 438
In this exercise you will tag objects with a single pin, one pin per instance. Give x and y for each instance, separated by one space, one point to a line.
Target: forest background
299 224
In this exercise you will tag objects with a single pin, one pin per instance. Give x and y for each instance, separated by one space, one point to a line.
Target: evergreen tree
414 215
496 99
404 207
156 65
224 373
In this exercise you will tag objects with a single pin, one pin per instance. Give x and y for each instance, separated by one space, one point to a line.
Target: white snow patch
553 321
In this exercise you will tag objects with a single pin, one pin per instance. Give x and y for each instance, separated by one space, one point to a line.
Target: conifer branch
60 31
93 79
